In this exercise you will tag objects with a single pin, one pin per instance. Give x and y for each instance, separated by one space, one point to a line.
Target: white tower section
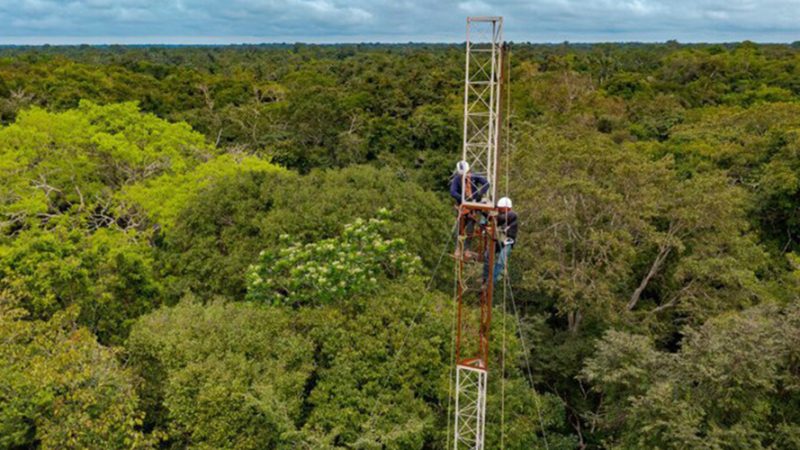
482 101
470 408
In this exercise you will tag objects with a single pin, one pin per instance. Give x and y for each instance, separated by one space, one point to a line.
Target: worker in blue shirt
476 185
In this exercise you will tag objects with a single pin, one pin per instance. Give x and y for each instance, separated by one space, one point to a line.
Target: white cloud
39 23
404 20
717 15
641 7
37 6
474 7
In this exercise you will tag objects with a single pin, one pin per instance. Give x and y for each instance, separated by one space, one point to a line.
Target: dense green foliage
369 372
216 238
229 247
330 269
61 389
733 384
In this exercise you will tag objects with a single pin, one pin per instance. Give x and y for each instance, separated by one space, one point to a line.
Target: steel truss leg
470 408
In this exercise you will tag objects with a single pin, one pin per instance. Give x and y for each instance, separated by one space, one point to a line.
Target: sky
331 21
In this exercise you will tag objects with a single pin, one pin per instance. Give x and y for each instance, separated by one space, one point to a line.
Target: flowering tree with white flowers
331 269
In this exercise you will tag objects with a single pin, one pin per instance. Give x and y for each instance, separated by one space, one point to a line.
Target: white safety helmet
462 167
504 202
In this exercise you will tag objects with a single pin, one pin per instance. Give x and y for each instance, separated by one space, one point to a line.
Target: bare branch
673 300
663 252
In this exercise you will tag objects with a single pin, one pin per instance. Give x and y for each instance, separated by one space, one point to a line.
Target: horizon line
232 43
223 40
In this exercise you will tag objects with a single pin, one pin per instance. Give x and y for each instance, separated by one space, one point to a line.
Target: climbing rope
507 146
420 306
452 360
528 365
503 368
508 121
507 289
444 252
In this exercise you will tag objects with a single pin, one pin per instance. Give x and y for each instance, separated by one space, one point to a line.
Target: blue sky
326 21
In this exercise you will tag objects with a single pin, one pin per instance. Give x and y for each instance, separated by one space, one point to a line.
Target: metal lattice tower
475 253
470 407
482 98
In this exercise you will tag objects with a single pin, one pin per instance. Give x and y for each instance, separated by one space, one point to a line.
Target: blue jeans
500 260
